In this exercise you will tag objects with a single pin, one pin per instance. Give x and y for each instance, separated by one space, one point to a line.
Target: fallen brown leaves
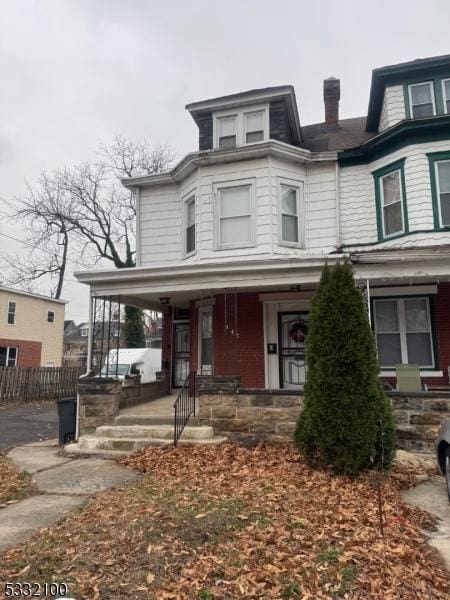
228 523
14 483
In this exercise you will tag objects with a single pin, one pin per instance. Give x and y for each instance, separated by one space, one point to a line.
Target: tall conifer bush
347 421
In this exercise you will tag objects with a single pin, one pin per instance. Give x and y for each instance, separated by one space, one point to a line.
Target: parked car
145 362
443 452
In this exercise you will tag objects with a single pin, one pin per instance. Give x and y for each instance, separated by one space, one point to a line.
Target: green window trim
433 325
433 158
437 89
398 165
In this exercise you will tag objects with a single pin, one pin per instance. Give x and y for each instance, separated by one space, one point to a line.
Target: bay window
404 331
290 214
421 100
190 226
440 188
391 200
234 216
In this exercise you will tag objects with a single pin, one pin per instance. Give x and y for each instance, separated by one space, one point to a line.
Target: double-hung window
290 214
227 131
404 332
206 339
190 226
234 216
421 100
254 126
440 188
50 316
391 200
446 94
8 356
11 313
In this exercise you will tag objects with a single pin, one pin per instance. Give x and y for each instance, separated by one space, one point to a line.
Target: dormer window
239 127
227 131
421 100
254 126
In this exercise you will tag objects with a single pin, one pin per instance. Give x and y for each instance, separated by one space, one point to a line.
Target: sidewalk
62 483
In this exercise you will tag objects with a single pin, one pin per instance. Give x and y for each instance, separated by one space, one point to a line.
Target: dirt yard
226 523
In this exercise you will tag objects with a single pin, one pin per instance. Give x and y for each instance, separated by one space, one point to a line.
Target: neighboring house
231 242
31 329
76 341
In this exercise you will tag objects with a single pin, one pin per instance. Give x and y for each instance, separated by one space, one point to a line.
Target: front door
180 353
292 329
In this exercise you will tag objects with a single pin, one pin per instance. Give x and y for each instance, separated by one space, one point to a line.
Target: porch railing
184 406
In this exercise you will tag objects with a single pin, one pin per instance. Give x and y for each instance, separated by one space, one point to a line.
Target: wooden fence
26 384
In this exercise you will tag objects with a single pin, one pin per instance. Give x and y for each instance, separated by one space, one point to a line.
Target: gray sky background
74 72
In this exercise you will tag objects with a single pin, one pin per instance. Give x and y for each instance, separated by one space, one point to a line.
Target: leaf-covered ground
227 523
14 484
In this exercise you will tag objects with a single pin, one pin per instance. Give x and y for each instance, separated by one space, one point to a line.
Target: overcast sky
74 72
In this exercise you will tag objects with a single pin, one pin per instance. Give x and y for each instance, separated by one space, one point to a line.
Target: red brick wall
28 353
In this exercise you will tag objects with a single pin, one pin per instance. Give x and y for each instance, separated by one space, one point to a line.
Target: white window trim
240 123
444 95
205 369
216 211
186 199
383 206
8 348
86 329
402 329
438 189
433 100
299 187
8 313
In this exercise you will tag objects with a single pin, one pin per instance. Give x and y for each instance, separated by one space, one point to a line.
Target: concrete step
153 432
130 419
92 444
74 451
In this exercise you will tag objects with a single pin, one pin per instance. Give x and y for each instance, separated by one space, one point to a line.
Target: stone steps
154 432
149 420
93 443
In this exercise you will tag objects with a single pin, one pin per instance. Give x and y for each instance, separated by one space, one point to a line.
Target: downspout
88 366
338 204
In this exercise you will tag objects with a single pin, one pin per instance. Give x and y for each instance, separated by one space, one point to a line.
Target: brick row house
231 241
31 329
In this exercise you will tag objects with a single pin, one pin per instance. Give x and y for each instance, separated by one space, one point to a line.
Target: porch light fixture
165 300
296 288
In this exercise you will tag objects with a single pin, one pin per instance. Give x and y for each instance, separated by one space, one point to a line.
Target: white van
145 362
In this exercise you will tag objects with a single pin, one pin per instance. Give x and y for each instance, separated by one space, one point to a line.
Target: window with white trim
11 313
391 194
238 127
190 226
404 331
50 316
8 356
205 339
84 331
446 94
227 131
235 220
290 214
421 100
254 126
443 190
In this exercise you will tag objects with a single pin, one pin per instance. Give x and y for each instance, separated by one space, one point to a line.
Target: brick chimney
331 96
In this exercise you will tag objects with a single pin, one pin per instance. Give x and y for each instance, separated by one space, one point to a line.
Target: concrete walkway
62 483
431 495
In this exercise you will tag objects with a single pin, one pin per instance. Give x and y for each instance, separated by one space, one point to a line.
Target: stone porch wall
271 415
101 399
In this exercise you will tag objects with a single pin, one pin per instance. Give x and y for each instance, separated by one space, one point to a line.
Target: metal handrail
184 406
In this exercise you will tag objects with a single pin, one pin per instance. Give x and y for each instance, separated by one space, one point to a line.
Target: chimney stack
331 96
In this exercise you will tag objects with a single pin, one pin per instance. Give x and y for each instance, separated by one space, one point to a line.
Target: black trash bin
67 413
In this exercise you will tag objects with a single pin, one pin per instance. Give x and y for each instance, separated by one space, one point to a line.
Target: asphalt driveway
27 423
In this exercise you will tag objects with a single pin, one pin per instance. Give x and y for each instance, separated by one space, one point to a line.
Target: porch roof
144 286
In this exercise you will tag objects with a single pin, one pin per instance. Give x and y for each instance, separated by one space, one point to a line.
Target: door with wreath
292 330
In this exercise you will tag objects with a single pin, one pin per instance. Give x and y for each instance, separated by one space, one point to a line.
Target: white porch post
88 365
